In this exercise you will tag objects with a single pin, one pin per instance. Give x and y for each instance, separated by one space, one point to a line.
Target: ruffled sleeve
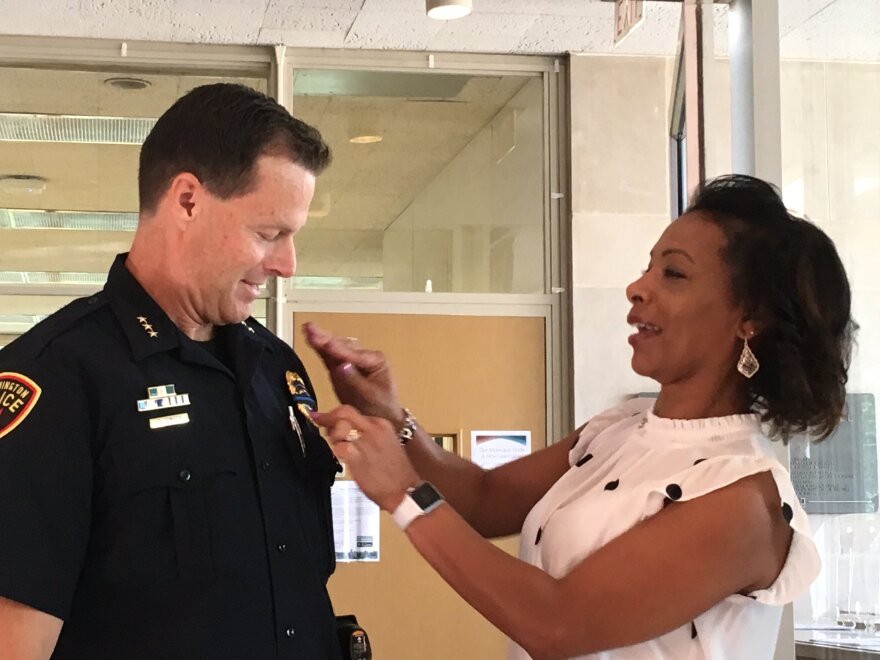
802 564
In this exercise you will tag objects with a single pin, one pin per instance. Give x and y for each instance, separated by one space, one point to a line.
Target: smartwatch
418 501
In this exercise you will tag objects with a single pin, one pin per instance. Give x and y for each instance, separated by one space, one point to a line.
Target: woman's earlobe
749 328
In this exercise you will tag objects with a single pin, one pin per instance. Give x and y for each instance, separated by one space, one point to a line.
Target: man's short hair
217 132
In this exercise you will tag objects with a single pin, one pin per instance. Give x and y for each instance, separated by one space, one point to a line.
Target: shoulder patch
18 396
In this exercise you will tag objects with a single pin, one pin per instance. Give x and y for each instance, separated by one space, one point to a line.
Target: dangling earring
748 364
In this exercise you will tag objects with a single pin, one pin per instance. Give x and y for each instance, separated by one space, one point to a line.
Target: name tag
169 420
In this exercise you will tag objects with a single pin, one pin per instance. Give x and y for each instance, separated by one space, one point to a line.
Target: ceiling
822 29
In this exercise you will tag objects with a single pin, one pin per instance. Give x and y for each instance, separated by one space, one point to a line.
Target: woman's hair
786 274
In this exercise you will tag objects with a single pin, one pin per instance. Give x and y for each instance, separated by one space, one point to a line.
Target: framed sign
839 474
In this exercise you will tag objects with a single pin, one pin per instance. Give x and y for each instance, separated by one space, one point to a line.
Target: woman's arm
652 579
494 502
649 581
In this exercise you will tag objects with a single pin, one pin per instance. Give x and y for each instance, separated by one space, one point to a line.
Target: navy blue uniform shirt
163 499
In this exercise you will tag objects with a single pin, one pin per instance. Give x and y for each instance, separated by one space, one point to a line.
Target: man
163 490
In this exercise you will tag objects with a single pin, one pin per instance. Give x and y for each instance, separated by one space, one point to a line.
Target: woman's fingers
346 424
340 351
343 424
369 447
332 349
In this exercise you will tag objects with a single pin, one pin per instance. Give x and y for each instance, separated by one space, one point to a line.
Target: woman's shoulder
606 421
624 410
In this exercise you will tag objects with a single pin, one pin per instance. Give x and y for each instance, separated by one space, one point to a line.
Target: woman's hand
360 377
368 446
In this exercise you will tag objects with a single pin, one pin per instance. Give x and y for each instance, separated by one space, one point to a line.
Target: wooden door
457 374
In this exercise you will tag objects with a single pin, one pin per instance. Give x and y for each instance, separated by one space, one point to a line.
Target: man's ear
185 196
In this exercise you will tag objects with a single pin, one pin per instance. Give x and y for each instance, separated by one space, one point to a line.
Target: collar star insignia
146 326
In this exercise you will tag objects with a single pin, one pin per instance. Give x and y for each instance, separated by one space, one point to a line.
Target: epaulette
35 340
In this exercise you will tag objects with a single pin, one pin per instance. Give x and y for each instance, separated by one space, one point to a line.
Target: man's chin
238 315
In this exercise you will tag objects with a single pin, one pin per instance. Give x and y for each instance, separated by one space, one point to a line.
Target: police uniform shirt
162 503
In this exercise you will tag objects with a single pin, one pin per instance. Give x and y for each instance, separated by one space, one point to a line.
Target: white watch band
406 512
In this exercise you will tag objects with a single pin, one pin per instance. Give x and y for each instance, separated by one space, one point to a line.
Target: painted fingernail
347 367
314 414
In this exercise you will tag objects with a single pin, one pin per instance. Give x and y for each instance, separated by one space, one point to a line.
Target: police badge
304 401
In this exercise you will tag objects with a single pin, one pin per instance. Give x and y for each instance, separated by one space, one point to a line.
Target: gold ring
353 435
351 340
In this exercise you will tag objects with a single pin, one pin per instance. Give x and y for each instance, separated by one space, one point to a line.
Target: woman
654 531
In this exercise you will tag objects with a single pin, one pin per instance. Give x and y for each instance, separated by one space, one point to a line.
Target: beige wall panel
620 206
619 134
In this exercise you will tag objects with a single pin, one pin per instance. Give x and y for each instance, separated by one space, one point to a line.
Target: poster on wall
490 449
355 523
839 474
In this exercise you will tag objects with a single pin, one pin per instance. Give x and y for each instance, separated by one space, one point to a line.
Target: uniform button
265 465
184 475
290 632
282 547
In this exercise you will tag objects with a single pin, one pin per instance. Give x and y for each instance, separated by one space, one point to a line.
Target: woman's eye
268 236
669 272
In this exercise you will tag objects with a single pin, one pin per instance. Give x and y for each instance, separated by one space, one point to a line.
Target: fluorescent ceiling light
328 282
76 220
34 277
372 84
17 127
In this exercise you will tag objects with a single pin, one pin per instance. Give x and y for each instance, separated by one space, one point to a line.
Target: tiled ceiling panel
825 29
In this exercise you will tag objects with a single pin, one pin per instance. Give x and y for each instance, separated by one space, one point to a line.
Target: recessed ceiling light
365 139
128 84
445 10
22 184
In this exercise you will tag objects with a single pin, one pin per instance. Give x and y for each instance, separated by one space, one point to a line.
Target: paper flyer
490 449
355 523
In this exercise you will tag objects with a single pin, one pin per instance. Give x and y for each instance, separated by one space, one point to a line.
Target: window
437 184
69 145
